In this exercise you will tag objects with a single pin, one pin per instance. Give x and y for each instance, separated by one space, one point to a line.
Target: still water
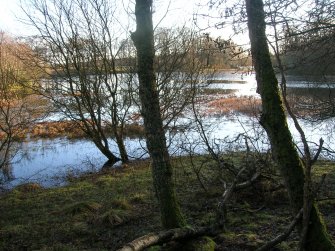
50 161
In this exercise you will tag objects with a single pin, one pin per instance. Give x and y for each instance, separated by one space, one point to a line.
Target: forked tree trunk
273 119
112 159
143 39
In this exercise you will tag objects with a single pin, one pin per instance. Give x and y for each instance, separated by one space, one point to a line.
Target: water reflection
43 160
48 161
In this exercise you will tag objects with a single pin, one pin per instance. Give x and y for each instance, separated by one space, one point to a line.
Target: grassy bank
105 210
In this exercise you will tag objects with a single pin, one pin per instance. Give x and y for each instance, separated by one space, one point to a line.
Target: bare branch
280 238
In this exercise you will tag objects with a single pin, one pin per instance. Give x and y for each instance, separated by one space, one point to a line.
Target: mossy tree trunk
143 39
273 119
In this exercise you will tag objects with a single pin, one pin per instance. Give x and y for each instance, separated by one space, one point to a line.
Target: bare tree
82 50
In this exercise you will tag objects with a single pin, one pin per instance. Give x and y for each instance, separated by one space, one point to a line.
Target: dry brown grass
226 105
215 105
134 130
68 129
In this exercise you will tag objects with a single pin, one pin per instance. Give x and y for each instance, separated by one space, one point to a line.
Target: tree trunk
104 149
122 148
155 137
273 119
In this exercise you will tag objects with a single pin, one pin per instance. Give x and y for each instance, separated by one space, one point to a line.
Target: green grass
105 210
75 215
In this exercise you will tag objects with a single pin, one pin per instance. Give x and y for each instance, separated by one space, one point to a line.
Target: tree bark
273 119
104 149
155 137
122 148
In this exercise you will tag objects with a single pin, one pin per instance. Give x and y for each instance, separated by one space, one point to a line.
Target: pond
50 161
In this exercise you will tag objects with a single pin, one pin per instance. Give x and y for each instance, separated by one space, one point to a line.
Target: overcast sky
179 13
8 22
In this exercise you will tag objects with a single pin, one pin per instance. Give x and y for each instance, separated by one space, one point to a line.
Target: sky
8 21
11 13
179 13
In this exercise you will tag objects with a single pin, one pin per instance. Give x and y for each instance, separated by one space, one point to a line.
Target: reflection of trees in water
313 103
312 95
15 155
6 173
14 108
313 100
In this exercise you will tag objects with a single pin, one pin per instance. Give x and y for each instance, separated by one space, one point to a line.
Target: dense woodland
111 78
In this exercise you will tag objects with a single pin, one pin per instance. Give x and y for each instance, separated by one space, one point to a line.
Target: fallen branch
325 199
228 193
221 210
256 210
248 183
283 236
156 238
